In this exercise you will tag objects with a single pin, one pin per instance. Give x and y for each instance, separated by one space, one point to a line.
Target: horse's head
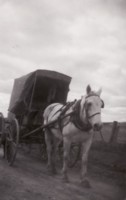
93 104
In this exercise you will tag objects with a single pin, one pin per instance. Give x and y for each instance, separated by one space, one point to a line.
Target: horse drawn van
31 94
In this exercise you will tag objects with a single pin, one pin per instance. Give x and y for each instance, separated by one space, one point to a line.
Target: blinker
102 106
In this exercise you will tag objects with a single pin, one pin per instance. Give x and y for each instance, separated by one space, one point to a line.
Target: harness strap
68 105
75 118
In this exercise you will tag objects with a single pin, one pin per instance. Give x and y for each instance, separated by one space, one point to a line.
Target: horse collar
75 118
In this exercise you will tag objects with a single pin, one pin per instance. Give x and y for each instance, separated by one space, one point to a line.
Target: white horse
74 122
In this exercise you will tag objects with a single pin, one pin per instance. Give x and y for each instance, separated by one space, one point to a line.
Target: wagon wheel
42 150
2 133
2 126
74 154
12 140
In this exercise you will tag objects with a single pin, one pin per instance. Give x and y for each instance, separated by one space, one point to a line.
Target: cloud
4 103
84 39
6 86
114 114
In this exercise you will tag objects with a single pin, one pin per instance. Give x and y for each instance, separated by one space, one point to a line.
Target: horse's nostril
96 126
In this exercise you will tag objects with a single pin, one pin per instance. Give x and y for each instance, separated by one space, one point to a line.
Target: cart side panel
21 94
34 92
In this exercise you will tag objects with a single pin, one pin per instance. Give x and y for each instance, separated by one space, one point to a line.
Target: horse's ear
88 89
99 91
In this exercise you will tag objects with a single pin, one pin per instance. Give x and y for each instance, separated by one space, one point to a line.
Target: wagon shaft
46 125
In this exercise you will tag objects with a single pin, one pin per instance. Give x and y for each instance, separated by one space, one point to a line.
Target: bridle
97 113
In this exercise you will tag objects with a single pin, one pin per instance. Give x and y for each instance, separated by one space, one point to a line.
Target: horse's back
52 112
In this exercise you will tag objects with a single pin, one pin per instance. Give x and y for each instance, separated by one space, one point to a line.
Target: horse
75 121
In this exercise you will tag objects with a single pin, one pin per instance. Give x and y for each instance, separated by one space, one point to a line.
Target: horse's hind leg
50 151
66 150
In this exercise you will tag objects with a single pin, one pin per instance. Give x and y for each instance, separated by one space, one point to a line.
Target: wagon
31 94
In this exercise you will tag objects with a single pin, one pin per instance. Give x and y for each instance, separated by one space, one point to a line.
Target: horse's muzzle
97 127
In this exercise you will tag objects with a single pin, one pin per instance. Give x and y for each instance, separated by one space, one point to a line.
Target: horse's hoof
65 179
54 171
86 184
51 171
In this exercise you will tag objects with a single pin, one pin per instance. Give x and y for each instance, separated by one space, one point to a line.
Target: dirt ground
28 178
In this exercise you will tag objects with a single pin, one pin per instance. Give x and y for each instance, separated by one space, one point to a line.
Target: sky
84 39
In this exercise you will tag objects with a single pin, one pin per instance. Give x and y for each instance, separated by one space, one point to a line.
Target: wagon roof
26 87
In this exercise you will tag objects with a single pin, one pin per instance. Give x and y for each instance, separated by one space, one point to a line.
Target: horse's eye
89 104
102 104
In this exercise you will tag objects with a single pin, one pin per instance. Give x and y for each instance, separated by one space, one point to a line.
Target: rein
75 115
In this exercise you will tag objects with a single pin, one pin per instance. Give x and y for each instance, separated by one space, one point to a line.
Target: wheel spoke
12 140
14 144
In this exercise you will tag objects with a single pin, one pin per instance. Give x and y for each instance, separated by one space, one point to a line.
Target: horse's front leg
4 150
85 150
66 150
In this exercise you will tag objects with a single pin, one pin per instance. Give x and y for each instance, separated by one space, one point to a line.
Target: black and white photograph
62 100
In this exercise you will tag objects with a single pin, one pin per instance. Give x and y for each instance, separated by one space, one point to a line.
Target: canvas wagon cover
37 89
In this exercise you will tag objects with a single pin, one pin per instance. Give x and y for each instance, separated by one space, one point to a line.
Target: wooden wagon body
37 89
31 94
